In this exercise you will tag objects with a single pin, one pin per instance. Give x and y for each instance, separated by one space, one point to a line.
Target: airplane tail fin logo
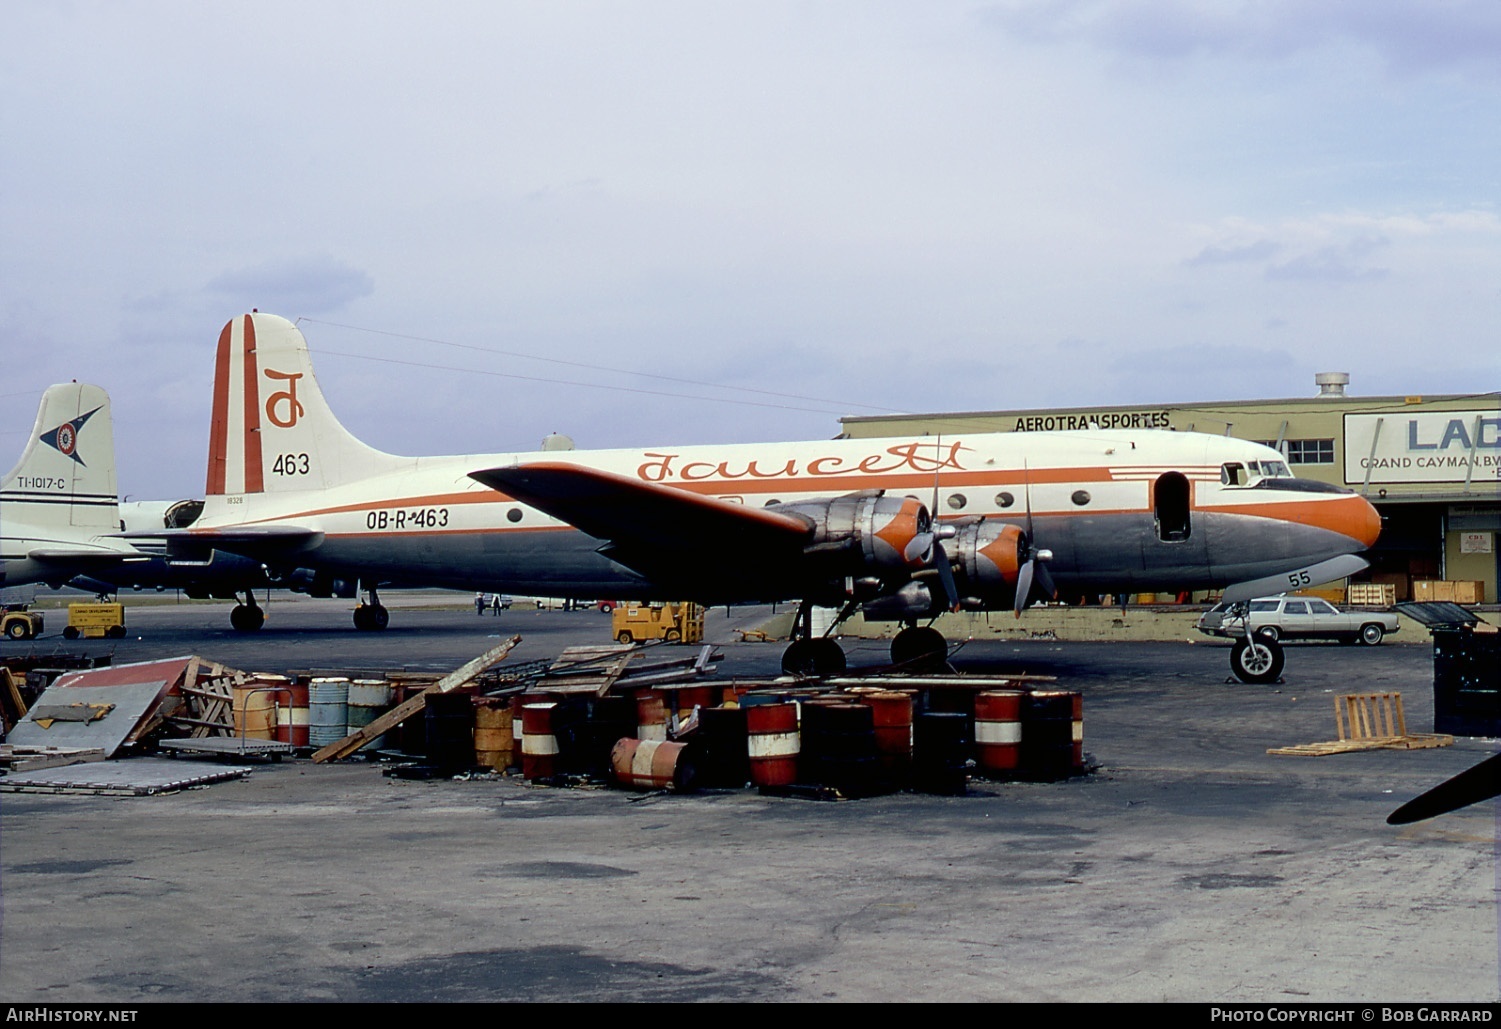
53 484
64 438
272 431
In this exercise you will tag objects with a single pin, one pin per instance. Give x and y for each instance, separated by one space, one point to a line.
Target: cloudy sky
649 222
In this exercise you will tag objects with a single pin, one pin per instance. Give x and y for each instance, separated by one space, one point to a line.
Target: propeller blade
945 575
1044 578
1024 585
919 547
1468 787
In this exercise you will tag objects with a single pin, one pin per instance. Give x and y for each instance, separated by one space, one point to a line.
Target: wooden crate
1428 590
1468 591
1373 594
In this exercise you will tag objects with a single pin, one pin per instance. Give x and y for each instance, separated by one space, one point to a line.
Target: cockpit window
1232 473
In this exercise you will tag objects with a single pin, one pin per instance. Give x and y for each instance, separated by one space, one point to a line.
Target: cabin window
957 501
514 514
1170 507
1004 499
1080 497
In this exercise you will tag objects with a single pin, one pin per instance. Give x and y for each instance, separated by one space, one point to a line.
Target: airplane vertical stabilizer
271 430
65 479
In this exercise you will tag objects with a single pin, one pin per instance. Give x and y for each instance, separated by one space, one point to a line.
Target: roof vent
1332 384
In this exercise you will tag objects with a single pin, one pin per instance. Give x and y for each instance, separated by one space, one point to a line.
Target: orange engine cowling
866 534
988 557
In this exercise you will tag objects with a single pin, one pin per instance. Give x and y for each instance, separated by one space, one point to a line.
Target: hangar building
1430 464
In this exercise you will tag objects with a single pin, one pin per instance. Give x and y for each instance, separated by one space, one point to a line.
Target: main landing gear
916 648
813 655
369 614
247 616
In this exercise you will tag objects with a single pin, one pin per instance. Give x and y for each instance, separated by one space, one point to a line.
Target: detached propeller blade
1468 787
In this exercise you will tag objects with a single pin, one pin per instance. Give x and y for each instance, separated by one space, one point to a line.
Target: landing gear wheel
921 648
1371 634
247 619
821 656
1257 661
371 617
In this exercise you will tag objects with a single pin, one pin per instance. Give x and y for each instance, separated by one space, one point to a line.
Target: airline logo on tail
64 438
293 409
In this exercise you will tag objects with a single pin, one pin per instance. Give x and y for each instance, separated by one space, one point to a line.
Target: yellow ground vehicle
17 623
93 621
673 622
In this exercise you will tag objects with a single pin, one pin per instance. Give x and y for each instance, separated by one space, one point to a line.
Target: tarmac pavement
1192 866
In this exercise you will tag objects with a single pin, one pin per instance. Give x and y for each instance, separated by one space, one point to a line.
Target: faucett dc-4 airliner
845 523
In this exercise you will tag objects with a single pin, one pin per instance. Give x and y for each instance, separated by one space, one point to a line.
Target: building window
1309 451
1303 451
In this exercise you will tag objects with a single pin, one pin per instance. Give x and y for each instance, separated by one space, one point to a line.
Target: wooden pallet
1367 721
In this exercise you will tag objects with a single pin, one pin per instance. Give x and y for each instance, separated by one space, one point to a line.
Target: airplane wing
637 516
259 542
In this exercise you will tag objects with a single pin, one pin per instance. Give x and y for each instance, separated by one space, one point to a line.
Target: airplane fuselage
1103 502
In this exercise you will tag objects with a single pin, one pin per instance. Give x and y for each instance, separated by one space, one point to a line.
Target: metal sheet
131 703
127 777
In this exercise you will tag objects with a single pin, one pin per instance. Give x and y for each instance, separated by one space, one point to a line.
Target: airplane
222 575
58 507
900 529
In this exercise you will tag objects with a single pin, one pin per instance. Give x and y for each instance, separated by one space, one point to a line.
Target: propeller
1468 787
926 547
1034 560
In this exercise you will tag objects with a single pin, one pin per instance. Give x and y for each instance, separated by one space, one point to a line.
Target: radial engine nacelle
865 534
988 557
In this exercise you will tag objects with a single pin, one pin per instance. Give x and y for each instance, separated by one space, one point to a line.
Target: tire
822 656
115 632
1257 661
18 630
920 649
624 636
1270 632
607 607
246 619
672 636
1371 634
70 633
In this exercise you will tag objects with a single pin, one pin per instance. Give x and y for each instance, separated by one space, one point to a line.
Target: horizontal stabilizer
260 542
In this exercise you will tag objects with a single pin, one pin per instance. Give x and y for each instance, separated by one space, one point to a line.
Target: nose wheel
1257 659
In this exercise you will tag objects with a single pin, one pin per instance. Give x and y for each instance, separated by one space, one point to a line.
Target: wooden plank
354 741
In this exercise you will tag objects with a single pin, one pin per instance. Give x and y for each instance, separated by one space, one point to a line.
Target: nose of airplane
1352 516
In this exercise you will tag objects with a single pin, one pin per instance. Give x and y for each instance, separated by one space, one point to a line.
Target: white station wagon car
1302 618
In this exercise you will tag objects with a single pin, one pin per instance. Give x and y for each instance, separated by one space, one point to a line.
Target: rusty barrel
328 710
449 721
839 747
891 716
292 714
998 731
494 742
1052 734
368 700
772 743
686 698
722 755
651 715
940 752
539 741
254 712
652 765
